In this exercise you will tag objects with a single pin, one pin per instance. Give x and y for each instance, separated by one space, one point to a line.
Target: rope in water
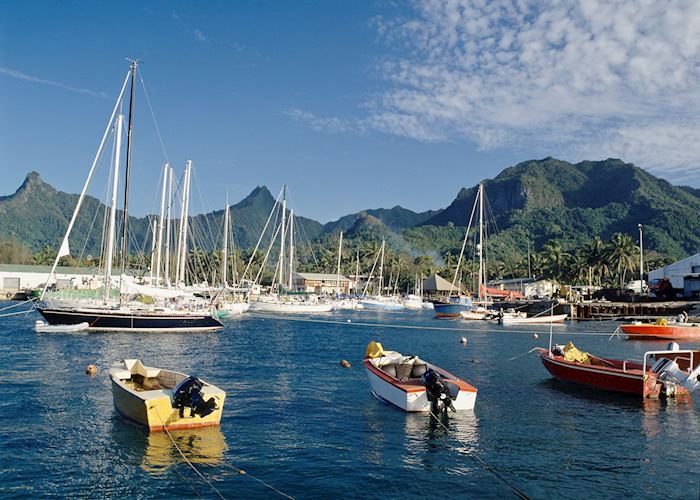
165 428
487 467
436 328
245 473
240 471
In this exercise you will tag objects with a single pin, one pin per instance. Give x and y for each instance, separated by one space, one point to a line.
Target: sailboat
458 305
232 303
123 314
282 301
379 302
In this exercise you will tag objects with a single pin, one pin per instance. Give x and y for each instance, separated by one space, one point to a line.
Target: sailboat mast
127 171
113 208
482 271
381 271
282 234
291 247
224 269
184 221
166 271
161 222
357 271
340 253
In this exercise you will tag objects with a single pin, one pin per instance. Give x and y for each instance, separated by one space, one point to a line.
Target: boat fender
188 394
439 393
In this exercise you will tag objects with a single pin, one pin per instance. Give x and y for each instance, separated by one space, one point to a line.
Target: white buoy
349 321
463 340
535 336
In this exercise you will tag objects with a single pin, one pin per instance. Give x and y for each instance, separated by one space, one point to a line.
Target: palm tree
594 253
622 255
555 259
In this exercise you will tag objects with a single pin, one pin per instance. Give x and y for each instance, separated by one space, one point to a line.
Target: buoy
463 340
241 471
90 370
345 363
349 321
535 336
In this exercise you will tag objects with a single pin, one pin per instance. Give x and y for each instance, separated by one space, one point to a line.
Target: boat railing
624 363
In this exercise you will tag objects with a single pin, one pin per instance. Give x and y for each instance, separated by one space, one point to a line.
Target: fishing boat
414 385
162 399
660 373
478 314
42 327
544 319
662 330
125 314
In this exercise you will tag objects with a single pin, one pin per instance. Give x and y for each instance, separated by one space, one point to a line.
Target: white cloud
331 125
200 36
13 73
576 78
582 78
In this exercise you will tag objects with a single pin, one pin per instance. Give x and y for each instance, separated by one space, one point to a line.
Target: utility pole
641 259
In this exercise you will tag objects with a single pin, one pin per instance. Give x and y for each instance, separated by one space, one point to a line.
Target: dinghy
42 327
534 320
413 385
158 399
660 373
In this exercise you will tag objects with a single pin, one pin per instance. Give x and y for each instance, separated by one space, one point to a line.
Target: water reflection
201 446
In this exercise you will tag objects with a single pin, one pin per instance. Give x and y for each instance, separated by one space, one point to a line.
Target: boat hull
663 332
629 381
451 310
154 409
378 305
535 320
412 397
290 308
121 321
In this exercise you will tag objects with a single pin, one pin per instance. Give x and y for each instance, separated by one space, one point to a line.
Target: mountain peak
260 196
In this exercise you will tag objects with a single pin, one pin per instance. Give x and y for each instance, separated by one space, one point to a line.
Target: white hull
290 307
41 327
381 304
535 320
235 307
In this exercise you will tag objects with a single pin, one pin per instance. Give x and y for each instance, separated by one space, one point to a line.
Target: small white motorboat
413 385
413 302
533 320
43 327
478 313
159 399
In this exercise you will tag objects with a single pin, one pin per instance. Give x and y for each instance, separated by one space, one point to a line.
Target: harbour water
297 420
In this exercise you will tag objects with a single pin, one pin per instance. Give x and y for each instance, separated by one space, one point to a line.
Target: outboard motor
188 394
440 393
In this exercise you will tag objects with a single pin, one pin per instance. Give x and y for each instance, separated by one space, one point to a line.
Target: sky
353 105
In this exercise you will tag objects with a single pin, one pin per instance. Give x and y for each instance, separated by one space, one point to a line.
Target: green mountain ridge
529 203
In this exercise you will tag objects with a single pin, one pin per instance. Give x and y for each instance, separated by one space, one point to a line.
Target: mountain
529 204
547 199
396 219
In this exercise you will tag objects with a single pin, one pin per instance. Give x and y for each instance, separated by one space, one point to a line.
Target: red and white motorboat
677 331
413 385
659 373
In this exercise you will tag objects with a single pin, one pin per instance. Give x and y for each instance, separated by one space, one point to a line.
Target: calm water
296 419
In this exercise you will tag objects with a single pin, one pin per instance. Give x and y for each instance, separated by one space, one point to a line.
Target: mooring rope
165 428
489 468
233 467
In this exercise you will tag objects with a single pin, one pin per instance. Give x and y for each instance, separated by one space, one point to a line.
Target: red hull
665 332
609 378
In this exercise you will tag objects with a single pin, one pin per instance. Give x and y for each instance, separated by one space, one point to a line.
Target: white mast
113 208
64 249
340 252
482 271
184 221
291 246
183 183
357 271
161 222
166 270
224 269
282 228
381 270
154 236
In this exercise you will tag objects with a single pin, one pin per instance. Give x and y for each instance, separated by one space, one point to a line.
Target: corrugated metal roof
30 268
321 276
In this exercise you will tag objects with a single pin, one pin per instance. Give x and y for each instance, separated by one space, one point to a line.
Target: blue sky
354 105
